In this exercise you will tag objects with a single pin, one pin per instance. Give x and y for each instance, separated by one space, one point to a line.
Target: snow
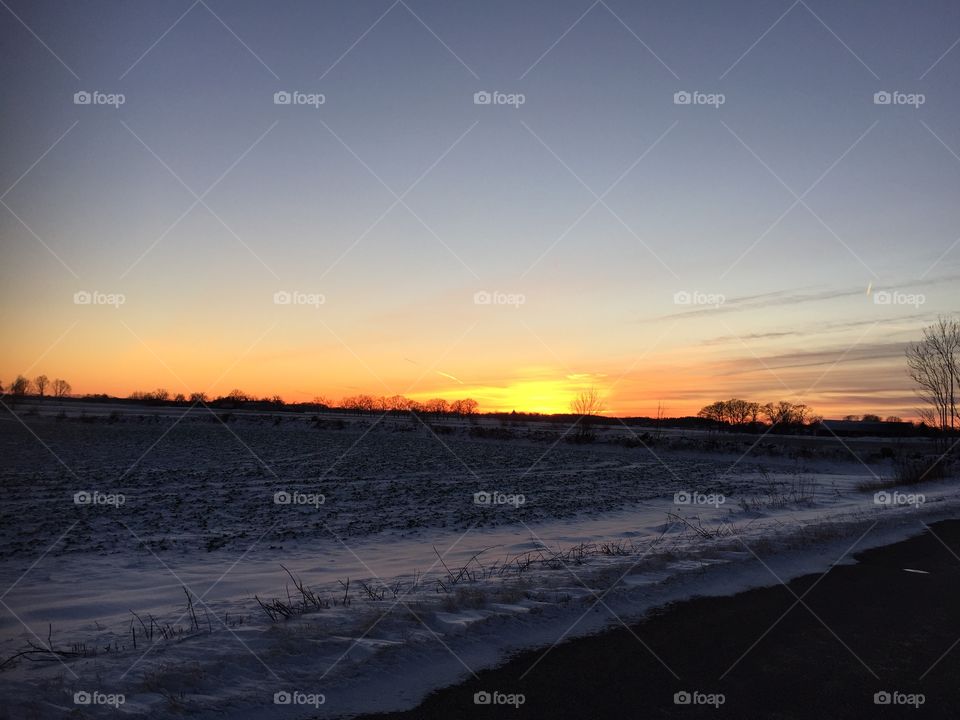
451 586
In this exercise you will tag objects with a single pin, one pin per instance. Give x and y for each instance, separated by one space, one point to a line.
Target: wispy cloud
794 297
449 376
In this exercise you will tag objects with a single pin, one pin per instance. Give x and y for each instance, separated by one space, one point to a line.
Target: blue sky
693 199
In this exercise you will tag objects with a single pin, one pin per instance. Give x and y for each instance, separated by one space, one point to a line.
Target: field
191 564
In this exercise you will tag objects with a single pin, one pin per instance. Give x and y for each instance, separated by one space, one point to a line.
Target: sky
673 202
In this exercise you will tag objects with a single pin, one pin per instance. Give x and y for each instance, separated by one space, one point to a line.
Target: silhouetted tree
934 364
586 404
785 414
398 403
465 407
41 382
716 411
437 406
20 386
61 388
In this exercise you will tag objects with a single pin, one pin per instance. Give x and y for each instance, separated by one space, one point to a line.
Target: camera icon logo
882 698
482 297
882 498
682 698
482 98
482 498
482 698
882 98
282 97
282 497
282 297
682 297
82 98
82 498
82 697
82 297
882 297
682 97
682 498
282 698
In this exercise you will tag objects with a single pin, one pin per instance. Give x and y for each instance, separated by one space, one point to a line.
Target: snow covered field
150 552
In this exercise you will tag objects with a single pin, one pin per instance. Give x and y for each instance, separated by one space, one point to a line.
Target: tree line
738 413
24 386
353 403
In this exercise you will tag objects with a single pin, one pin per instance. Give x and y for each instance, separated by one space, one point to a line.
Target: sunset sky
585 212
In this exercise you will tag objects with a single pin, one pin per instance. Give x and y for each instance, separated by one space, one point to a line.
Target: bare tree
715 411
437 406
61 388
934 364
587 404
467 406
738 411
198 398
733 412
41 382
398 403
20 386
786 414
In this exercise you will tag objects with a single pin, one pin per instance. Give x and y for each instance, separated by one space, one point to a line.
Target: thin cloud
448 375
